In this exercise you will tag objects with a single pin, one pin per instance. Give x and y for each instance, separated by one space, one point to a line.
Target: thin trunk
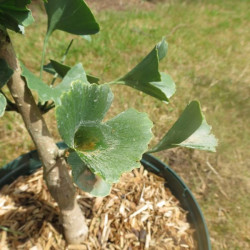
55 167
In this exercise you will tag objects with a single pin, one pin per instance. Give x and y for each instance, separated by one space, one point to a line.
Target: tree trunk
54 165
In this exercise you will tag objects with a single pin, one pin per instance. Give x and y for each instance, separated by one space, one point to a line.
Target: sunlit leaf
82 104
5 72
75 73
190 130
85 179
146 77
162 89
46 92
15 15
107 148
2 104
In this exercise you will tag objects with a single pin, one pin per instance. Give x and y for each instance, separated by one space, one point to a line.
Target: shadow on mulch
29 216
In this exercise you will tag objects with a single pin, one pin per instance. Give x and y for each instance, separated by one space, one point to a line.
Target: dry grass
208 48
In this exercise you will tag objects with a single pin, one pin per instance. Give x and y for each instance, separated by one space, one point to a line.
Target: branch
56 174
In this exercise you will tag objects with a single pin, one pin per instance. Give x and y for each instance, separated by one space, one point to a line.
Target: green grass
209 44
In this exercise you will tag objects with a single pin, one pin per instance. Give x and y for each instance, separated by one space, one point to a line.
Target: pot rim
184 195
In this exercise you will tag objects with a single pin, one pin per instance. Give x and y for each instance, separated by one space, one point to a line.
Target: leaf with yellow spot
109 148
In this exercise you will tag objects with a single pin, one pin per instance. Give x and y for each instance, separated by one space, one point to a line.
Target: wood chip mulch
140 213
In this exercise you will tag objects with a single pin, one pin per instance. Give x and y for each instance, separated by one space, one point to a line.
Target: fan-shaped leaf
49 69
83 104
35 83
2 104
147 78
109 148
15 15
46 92
190 130
72 16
162 89
85 179
62 69
5 72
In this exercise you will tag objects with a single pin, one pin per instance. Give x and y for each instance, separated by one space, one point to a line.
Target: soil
139 213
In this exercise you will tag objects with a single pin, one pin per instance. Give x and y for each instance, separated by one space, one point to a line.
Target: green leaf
83 103
15 15
5 72
162 89
46 92
107 148
49 69
2 104
75 73
147 78
92 79
85 179
72 16
62 69
190 130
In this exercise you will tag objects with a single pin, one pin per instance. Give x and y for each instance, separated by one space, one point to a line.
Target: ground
121 5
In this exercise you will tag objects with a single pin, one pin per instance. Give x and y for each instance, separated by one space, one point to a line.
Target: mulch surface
139 213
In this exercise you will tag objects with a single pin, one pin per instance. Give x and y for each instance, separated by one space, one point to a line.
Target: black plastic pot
25 164
28 163
184 195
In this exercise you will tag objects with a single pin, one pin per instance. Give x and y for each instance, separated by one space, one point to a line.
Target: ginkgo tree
98 152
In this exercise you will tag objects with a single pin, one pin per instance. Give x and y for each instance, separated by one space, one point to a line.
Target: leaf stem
62 61
118 81
44 108
67 51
